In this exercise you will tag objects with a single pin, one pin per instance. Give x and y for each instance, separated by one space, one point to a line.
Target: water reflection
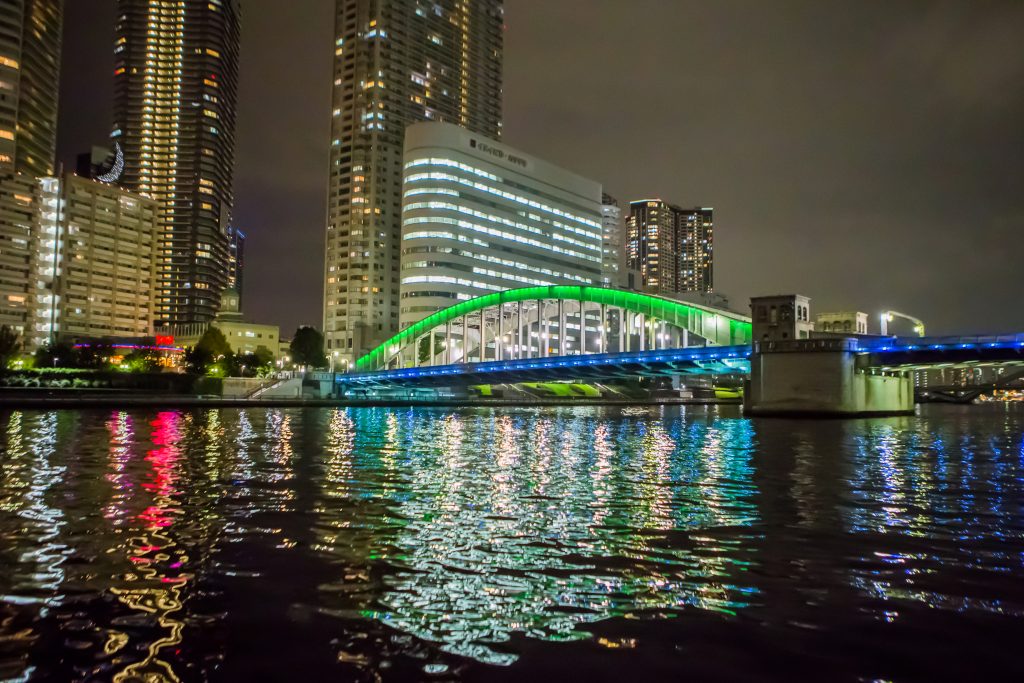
154 585
532 523
178 545
932 497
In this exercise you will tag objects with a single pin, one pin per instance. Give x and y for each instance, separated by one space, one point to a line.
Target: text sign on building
498 153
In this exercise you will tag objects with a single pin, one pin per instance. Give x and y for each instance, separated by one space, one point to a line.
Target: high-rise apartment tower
94 265
611 247
397 62
671 247
30 41
176 80
30 38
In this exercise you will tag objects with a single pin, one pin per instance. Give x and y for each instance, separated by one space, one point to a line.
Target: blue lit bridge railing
693 360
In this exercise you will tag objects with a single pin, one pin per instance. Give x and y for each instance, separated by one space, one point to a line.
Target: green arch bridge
555 321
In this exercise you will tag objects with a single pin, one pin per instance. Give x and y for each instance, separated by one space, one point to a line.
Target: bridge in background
545 334
707 360
557 321
968 393
880 355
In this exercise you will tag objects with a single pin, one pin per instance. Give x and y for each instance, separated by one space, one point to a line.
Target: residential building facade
30 42
479 216
19 224
396 62
94 263
236 261
175 84
672 248
612 247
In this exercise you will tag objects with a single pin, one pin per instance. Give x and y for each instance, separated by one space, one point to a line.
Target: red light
164 340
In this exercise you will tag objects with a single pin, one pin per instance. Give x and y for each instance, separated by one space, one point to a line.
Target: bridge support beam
822 377
583 328
499 331
621 317
561 328
545 332
519 332
540 313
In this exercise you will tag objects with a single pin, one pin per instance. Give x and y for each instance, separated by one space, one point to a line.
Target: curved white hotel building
479 216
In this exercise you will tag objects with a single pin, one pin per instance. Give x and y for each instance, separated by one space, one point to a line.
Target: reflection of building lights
157 558
504 502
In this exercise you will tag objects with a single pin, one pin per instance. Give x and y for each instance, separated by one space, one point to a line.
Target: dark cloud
867 154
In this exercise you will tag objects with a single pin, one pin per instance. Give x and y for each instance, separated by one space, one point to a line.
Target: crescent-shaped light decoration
117 169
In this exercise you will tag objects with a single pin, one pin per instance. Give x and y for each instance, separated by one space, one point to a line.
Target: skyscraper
611 242
397 62
30 32
176 79
236 261
671 247
30 37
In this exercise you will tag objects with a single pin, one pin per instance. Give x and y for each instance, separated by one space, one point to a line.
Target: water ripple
411 543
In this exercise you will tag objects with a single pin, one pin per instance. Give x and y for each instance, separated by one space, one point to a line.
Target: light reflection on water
184 545
544 536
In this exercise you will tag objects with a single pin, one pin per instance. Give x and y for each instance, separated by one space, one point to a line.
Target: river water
590 543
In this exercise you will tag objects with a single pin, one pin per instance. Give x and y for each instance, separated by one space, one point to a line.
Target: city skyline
878 141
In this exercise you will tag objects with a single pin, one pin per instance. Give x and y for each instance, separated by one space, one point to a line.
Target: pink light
137 347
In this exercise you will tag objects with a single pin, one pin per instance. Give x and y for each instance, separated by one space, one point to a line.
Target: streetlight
888 316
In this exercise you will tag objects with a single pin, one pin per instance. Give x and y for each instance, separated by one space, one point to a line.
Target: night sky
867 154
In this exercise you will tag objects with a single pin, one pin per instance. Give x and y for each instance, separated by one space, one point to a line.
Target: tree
197 360
60 355
307 348
211 355
93 356
215 343
10 344
262 357
142 360
258 363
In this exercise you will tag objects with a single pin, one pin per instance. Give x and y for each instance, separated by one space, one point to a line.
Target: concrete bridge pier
793 373
822 377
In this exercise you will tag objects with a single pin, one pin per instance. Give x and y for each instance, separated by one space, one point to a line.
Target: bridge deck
885 353
913 353
701 360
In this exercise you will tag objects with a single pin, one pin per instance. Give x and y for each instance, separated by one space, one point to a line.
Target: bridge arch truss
555 321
